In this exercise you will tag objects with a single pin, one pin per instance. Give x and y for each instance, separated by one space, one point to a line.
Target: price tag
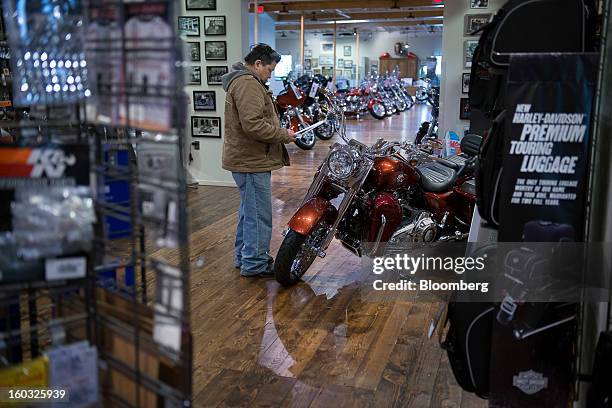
313 90
65 268
296 92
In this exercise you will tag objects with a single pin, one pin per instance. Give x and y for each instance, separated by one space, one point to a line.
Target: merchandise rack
135 370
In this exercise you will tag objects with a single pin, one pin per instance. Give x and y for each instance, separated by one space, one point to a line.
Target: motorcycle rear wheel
296 254
307 141
325 131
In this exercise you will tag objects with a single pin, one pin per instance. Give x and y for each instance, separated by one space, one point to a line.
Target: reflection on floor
319 343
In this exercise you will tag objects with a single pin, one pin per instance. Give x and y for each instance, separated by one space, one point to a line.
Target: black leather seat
436 178
470 146
454 162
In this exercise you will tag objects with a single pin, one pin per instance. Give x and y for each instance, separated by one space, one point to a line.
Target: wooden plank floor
318 344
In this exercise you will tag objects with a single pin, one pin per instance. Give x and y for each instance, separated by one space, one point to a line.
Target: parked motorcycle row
381 96
390 192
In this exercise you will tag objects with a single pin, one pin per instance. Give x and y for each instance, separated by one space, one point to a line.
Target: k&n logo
49 162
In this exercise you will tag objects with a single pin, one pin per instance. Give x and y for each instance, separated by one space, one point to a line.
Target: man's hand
291 134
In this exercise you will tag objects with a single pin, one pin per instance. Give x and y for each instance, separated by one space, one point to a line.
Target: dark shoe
268 273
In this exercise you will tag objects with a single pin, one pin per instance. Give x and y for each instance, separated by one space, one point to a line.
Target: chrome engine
422 228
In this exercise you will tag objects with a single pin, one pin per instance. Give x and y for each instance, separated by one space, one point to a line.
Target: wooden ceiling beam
366 16
350 26
339 4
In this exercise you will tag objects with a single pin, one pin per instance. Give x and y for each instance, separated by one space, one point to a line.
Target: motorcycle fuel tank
392 174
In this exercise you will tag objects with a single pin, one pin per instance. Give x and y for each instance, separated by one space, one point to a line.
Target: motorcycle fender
313 211
373 102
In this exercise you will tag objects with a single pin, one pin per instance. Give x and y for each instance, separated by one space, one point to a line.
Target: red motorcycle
289 103
391 192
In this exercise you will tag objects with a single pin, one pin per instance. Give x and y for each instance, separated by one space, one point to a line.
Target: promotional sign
549 102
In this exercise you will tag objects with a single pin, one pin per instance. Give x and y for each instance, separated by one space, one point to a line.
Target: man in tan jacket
252 148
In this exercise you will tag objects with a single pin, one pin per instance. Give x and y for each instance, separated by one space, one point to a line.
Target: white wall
453 62
206 166
370 47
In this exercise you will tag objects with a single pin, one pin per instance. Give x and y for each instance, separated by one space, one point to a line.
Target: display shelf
125 299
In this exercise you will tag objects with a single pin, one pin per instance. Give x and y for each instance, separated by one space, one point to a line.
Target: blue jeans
254 231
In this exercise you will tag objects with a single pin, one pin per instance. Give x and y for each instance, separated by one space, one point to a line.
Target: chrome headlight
342 162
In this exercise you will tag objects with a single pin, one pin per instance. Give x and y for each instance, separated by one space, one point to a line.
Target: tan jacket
253 141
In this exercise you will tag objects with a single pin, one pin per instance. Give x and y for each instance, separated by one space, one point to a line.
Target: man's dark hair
262 52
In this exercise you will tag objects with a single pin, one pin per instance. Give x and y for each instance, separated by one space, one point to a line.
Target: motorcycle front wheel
306 141
325 131
378 111
296 254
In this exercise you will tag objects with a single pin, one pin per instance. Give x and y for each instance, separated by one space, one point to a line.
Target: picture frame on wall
348 73
464 109
214 75
348 50
314 62
326 60
204 100
206 126
469 47
465 82
307 64
189 26
307 53
195 75
479 4
214 25
473 22
201 4
194 50
316 71
215 50
327 48
327 71
340 63
348 63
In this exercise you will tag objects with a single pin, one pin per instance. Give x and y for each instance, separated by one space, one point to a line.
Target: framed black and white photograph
465 82
214 75
204 100
189 26
201 4
473 22
307 53
348 63
307 64
469 47
206 126
327 48
194 51
214 25
478 4
340 63
215 50
464 109
348 73
326 60
195 76
327 71
347 50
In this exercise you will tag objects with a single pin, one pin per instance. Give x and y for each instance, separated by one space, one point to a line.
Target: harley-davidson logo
530 382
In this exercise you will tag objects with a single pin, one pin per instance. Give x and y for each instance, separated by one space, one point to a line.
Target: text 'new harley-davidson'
388 192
